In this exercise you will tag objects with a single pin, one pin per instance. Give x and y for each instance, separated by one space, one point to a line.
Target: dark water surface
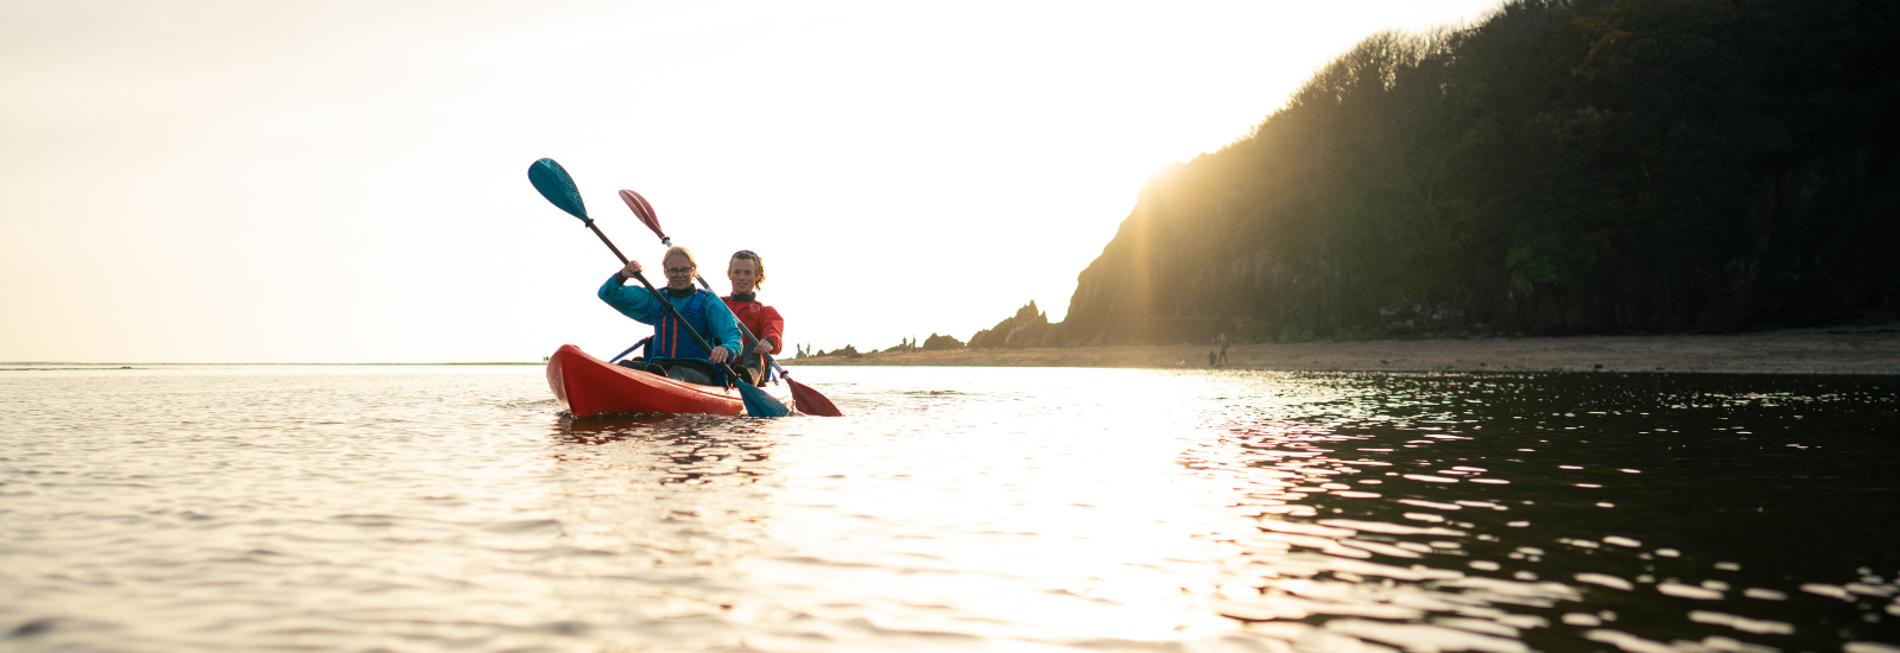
452 508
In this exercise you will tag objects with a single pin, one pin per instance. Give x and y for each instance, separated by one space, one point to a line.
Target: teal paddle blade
759 404
555 185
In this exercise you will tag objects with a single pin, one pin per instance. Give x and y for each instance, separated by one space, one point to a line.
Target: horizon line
10 364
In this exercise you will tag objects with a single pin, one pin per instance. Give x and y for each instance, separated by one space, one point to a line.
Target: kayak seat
684 373
679 370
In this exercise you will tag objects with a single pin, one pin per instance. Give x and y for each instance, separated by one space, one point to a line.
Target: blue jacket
702 310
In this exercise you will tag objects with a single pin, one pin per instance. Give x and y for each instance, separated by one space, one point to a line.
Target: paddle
555 185
808 400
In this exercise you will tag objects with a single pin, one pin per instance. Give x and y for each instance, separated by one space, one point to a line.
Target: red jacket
763 321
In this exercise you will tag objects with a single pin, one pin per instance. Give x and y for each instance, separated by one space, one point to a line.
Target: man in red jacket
765 330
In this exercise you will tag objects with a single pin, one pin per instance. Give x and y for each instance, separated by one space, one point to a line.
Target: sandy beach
1835 350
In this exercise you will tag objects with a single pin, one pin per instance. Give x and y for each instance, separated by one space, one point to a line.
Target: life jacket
670 339
747 313
750 314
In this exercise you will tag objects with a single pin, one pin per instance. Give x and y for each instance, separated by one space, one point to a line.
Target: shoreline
1847 350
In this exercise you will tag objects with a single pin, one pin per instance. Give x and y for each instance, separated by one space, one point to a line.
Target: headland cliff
1580 167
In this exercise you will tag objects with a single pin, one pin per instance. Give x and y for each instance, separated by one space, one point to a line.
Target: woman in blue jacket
672 351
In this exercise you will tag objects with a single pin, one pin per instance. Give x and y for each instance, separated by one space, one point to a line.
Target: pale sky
345 181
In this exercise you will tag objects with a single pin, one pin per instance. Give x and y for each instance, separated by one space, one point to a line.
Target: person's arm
725 329
772 329
738 310
632 301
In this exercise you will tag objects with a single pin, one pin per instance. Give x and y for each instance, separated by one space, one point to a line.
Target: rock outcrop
1029 327
942 343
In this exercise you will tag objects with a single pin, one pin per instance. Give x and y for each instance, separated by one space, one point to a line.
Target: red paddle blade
810 402
643 211
653 216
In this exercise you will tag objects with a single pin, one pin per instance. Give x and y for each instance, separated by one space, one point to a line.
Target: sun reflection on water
1298 513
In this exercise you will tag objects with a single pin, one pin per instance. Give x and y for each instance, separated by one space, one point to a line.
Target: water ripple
956 509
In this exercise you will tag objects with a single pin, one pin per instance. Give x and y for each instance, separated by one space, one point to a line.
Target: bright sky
345 181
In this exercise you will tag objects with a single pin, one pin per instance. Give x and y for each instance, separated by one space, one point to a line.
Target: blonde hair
682 251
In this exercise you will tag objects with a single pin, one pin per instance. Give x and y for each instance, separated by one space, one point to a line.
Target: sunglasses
678 272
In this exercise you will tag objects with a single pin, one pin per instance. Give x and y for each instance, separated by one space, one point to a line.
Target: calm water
452 508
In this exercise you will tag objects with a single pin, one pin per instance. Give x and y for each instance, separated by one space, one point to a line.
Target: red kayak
588 386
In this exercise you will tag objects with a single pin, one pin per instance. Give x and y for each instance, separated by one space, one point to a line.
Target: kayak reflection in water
672 351
746 270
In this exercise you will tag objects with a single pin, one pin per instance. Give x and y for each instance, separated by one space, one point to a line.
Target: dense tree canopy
1567 166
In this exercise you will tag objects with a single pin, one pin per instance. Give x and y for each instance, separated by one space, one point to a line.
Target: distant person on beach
1223 349
746 271
671 351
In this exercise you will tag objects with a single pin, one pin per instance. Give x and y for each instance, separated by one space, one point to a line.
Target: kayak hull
586 386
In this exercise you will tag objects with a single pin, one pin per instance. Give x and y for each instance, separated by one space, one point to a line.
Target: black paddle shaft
742 327
610 244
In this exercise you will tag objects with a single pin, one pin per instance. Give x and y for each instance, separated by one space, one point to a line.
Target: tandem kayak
588 386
